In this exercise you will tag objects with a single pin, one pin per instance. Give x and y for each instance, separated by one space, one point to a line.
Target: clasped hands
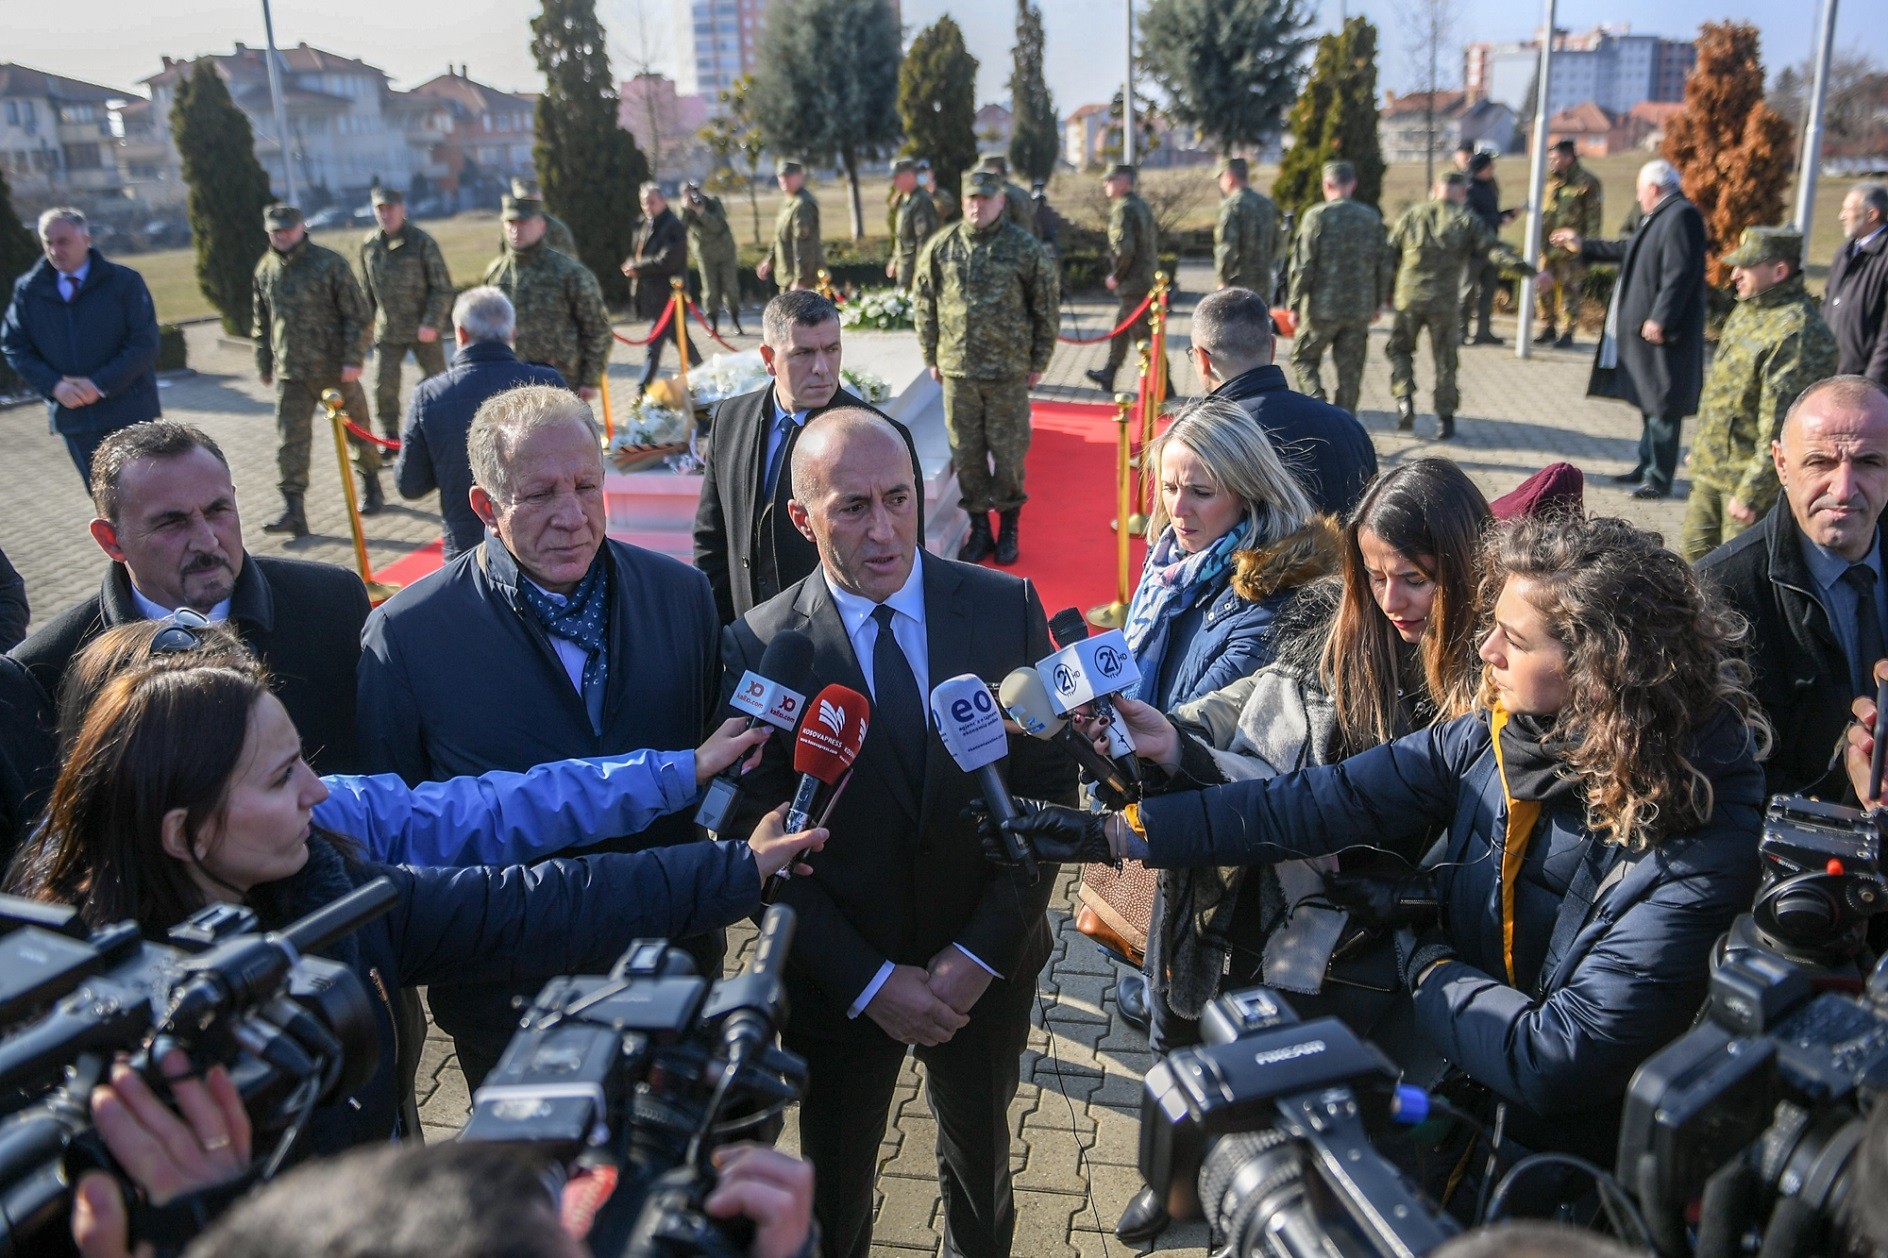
929 1004
75 391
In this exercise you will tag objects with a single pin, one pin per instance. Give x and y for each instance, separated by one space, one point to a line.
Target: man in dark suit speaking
743 539
906 937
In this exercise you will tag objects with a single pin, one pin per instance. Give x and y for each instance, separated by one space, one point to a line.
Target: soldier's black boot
291 521
1546 336
979 546
1405 414
734 317
1445 427
714 324
1565 341
1103 379
372 497
1008 546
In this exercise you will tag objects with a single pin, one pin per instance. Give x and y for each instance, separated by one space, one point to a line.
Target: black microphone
774 694
1068 626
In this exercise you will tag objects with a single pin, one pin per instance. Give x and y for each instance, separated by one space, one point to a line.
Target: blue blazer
107 333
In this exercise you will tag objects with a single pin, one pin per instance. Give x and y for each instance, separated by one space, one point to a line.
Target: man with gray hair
547 641
661 255
433 451
1651 351
1855 299
83 333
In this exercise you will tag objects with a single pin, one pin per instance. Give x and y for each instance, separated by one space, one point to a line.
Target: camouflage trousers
988 423
1122 342
1441 322
1708 522
296 404
1559 306
1347 341
720 287
1480 279
389 357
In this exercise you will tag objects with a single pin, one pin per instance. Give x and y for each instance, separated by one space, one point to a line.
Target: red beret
1555 488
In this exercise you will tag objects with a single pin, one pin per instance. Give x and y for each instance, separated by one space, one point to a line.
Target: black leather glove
1382 902
1415 953
1054 832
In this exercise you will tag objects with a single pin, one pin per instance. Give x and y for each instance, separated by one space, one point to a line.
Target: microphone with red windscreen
829 740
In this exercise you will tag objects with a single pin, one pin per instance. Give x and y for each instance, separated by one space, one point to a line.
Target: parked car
322 220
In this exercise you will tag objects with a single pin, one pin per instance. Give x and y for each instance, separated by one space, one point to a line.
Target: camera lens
1248 1179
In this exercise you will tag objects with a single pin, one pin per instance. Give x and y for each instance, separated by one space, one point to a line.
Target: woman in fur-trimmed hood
1231 539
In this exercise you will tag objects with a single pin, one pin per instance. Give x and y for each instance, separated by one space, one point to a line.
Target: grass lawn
471 239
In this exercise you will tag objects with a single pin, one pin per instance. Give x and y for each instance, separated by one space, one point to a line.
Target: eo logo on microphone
965 709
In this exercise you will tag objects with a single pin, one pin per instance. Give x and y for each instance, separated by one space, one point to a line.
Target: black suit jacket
302 619
748 548
1855 305
903 875
1661 277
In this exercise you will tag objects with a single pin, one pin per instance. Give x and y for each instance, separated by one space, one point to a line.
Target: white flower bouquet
881 310
866 385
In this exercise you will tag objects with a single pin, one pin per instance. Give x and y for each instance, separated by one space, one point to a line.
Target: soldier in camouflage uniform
1434 241
410 294
1017 206
1774 345
1341 272
562 322
1134 249
798 253
711 241
985 303
556 232
1573 199
310 328
914 221
1245 239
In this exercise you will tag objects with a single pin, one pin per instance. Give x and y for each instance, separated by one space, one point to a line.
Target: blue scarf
1170 580
583 618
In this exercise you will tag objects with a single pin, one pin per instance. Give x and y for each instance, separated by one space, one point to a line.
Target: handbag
1117 908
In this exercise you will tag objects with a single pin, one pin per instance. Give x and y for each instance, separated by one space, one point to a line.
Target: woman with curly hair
1600 813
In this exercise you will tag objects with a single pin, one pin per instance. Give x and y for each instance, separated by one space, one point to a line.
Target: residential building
1404 125
994 126
721 40
665 123
1091 138
55 135
489 137
1607 65
1595 132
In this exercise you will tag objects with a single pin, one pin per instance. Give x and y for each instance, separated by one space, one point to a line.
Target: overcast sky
119 42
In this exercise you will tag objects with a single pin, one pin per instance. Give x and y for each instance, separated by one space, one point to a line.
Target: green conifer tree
1035 139
937 102
228 191
588 166
1228 67
1335 119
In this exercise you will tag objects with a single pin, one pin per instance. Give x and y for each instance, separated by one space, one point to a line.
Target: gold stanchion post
680 299
378 592
1137 521
1114 615
609 420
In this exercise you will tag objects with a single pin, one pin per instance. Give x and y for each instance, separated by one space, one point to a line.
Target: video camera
1267 1128
1822 882
638 1076
292 1029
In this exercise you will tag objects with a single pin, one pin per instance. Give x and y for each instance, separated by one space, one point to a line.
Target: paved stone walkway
1076 1117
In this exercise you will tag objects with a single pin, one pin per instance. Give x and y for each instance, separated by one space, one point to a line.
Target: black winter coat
1661 277
107 334
1855 306
1563 1044
511 924
661 253
1322 445
1801 676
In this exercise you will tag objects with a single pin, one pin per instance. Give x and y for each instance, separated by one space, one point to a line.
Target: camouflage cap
387 196
280 216
1120 170
983 183
1338 173
517 207
525 188
1766 244
1234 166
904 166
994 162
787 166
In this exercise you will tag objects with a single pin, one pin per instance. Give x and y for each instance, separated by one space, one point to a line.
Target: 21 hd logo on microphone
1087 670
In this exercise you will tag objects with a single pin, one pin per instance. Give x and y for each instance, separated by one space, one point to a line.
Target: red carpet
1068 549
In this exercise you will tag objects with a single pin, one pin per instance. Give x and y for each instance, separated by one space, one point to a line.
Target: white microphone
971 725
1090 671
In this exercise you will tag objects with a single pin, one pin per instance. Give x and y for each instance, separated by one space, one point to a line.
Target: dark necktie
897 707
1868 638
783 429
69 286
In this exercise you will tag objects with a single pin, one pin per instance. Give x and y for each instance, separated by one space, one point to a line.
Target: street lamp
281 109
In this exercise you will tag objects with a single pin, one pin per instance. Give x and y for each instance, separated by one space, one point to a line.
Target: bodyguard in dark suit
661 255
547 641
1651 354
904 937
83 332
744 542
167 518
432 450
1855 300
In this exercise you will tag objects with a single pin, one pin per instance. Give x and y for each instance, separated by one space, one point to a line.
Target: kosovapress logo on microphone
833 717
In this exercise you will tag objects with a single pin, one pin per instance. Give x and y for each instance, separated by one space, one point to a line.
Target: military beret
387 196
1766 244
983 183
1234 166
280 216
1339 172
904 166
1565 146
1555 489
1120 170
994 162
787 166
517 207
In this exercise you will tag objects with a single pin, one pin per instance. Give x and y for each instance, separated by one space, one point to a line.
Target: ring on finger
219 1143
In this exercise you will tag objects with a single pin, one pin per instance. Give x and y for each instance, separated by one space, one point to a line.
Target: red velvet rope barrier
361 433
1123 326
716 336
661 327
